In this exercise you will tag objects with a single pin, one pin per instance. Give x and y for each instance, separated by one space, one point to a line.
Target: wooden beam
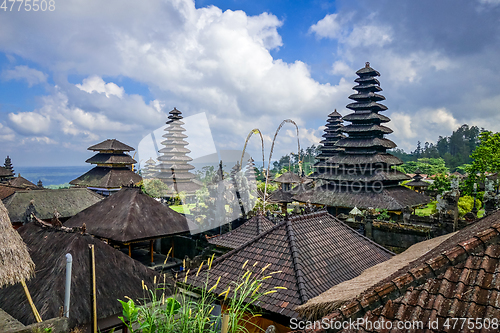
130 250
30 301
93 304
172 246
151 242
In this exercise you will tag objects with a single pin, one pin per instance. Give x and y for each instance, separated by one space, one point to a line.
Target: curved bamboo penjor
254 131
271 155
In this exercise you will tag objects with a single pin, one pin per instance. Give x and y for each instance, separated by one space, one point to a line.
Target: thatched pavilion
113 168
15 262
130 216
117 277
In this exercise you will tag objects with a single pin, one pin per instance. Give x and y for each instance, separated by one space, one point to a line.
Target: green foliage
466 203
428 210
383 214
428 166
154 188
486 159
182 313
441 183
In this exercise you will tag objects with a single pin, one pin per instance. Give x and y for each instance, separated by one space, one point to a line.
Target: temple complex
361 175
113 168
174 165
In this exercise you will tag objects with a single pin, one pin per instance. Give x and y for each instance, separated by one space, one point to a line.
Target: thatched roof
4 172
458 278
288 177
112 145
244 233
22 182
104 177
390 198
15 261
117 276
104 158
281 196
68 202
130 215
331 299
313 252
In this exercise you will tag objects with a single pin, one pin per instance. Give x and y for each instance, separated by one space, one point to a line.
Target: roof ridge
230 253
431 268
235 230
297 264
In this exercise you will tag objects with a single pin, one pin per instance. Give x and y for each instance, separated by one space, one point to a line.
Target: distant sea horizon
51 175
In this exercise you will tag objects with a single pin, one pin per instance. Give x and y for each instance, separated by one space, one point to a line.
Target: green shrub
466 203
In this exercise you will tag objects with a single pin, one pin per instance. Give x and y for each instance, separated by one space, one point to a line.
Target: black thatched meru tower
362 175
333 133
8 165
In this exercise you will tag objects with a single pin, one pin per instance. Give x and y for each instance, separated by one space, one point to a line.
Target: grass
428 210
185 209
181 313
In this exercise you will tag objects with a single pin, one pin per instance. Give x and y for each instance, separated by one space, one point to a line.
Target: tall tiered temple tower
333 133
113 168
149 169
362 175
174 165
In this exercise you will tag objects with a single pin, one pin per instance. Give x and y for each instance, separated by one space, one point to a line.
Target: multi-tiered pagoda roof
174 165
113 168
333 133
362 174
149 168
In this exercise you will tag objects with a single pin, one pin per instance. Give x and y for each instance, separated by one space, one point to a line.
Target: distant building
174 165
113 168
44 203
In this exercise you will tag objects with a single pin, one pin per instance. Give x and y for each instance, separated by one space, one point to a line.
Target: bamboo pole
30 301
225 323
93 304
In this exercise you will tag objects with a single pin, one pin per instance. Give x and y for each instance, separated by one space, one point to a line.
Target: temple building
333 133
417 184
113 168
174 165
362 175
284 195
149 169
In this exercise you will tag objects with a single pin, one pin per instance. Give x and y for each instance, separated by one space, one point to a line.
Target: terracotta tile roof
460 278
313 252
244 233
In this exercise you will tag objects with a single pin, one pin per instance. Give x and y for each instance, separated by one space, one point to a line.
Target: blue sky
94 70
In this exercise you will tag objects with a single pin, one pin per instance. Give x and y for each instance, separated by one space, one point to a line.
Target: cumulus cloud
96 84
328 27
425 125
31 75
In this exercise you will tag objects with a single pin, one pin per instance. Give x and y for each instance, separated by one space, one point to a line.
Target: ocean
51 175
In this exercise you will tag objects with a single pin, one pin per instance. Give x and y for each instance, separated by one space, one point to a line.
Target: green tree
154 188
485 158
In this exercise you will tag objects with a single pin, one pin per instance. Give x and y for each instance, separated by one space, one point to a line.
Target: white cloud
328 27
30 123
96 84
31 75
424 125
367 35
490 2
